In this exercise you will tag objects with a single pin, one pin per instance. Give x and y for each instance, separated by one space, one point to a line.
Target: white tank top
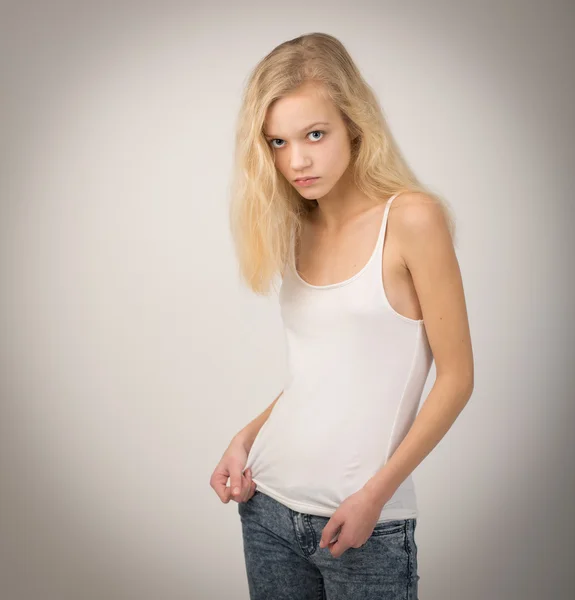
356 372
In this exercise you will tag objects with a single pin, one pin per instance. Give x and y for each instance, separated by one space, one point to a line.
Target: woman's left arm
428 253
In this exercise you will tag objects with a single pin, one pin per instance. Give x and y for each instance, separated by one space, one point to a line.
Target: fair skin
421 274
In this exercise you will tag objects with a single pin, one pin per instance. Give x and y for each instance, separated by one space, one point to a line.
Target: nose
298 159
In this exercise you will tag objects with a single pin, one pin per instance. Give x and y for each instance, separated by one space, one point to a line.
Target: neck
343 204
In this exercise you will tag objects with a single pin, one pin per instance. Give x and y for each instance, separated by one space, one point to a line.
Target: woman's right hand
232 465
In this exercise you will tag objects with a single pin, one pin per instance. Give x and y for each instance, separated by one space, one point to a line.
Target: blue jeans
284 560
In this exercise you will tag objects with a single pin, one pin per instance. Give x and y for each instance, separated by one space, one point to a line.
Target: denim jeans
284 561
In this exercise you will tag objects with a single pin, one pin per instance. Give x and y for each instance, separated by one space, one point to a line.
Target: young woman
371 295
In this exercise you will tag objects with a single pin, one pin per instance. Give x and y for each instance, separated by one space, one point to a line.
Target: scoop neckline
353 277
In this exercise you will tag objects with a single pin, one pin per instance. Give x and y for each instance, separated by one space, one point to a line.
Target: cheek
336 163
337 155
281 168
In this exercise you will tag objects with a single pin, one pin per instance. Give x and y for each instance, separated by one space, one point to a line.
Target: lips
307 182
305 178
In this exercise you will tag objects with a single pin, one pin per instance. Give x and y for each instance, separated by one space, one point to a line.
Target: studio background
130 353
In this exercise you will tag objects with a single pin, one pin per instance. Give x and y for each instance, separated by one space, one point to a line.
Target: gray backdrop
130 354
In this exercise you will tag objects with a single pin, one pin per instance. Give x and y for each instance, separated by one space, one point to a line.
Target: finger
248 485
243 487
252 490
236 484
253 484
329 534
218 482
337 548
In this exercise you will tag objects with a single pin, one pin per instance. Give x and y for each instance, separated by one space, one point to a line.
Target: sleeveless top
356 372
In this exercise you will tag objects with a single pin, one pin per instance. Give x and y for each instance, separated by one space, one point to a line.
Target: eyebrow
301 131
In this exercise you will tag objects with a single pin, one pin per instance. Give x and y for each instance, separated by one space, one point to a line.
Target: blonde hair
265 209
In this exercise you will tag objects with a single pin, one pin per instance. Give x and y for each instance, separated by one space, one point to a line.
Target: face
308 138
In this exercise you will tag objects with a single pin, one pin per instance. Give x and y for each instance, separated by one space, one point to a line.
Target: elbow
461 383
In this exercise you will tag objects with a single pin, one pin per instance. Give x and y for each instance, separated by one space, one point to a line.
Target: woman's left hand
356 516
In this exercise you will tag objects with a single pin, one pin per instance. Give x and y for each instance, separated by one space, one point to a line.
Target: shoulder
416 213
419 222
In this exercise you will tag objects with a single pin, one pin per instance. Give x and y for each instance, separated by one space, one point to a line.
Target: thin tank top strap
383 227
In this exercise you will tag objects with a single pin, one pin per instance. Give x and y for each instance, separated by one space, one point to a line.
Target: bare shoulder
416 213
418 221
414 205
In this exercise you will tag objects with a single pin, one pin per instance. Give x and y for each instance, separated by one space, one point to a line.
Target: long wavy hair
265 209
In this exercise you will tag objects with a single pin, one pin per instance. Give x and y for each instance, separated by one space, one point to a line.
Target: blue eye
271 142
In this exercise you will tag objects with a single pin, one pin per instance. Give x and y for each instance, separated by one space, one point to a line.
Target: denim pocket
389 527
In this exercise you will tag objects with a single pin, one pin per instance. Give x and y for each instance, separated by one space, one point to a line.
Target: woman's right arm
233 461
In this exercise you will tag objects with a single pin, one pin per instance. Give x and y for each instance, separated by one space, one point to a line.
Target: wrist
374 494
242 439
380 489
